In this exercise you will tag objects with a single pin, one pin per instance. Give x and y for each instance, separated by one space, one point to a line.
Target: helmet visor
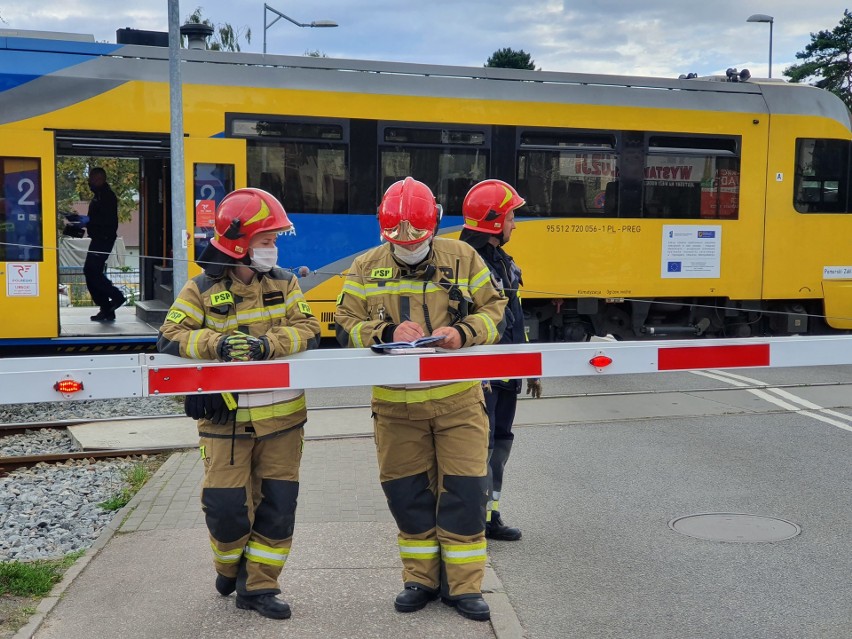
406 233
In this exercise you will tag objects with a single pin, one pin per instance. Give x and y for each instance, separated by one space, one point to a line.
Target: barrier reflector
210 379
437 369
696 357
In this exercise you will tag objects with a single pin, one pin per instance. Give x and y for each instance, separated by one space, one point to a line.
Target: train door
28 283
214 168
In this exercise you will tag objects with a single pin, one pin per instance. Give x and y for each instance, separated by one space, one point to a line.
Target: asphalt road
598 558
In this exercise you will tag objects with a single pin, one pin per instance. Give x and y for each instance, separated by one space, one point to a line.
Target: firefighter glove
234 348
213 406
534 387
259 348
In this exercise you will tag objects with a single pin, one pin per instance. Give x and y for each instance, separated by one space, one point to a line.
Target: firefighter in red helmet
243 307
431 439
489 220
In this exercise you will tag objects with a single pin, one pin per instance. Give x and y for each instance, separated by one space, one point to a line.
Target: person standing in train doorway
431 439
244 308
102 228
489 219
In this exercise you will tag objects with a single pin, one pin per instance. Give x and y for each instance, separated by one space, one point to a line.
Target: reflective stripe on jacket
271 305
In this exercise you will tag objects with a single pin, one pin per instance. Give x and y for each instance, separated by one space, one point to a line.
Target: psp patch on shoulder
305 308
176 316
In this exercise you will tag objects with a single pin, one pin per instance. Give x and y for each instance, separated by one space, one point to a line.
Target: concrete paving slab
625 407
159 585
164 432
181 432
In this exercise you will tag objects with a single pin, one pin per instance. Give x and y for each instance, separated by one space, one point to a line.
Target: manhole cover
734 527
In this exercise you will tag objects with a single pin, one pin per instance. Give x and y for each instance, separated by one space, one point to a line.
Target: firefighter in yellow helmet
431 439
489 220
243 307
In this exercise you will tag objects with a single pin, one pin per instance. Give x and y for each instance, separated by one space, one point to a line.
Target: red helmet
408 213
487 204
244 213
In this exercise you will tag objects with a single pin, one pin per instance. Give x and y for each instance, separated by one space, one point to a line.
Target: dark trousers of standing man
501 404
103 293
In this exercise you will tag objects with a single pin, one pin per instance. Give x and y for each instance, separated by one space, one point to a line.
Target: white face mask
411 257
264 259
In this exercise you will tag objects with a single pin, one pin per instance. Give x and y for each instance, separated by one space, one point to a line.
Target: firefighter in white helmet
245 308
431 439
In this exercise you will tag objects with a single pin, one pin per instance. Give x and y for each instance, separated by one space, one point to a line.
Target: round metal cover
734 527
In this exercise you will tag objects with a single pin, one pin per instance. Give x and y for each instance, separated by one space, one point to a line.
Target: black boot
267 605
225 585
496 529
471 608
413 598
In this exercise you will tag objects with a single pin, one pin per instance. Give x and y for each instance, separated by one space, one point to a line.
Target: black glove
212 406
239 347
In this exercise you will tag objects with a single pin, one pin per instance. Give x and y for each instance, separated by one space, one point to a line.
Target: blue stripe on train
325 238
25 59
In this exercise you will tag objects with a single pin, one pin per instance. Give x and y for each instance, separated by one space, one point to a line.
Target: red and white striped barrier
77 377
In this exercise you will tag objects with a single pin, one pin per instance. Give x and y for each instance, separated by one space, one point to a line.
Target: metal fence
73 291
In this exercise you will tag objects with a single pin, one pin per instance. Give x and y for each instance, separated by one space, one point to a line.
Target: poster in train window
20 210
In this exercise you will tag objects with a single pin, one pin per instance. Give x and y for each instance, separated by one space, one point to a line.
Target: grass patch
35 578
135 477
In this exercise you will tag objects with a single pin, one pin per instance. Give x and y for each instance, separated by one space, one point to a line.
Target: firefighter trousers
501 404
433 473
250 505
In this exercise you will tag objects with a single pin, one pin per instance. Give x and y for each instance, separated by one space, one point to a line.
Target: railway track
14 462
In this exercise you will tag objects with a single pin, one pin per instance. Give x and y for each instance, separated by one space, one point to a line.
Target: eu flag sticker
674 267
710 234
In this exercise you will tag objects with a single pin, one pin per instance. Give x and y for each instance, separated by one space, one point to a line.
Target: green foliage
316 53
135 477
827 60
72 175
510 59
224 38
34 579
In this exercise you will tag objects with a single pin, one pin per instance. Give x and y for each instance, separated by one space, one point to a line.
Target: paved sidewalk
152 578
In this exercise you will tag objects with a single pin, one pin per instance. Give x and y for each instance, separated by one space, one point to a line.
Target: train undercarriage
576 320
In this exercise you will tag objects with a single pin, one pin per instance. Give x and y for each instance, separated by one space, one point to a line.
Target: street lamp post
762 17
279 15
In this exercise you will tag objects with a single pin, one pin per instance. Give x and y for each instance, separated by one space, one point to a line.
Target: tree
316 53
510 59
225 37
827 60
72 174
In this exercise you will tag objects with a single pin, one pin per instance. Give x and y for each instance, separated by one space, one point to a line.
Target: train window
567 183
303 162
567 173
211 183
822 179
20 210
551 139
691 178
449 160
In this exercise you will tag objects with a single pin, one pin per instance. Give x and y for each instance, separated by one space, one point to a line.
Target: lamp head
760 17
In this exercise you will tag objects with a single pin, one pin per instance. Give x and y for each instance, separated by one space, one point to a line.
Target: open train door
214 167
28 273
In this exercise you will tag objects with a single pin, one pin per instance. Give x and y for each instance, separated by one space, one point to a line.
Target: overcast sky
633 37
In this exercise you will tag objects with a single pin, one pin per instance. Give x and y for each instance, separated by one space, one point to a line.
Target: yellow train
654 206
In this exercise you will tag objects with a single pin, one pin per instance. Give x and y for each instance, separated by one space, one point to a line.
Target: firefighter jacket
271 305
508 277
451 287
